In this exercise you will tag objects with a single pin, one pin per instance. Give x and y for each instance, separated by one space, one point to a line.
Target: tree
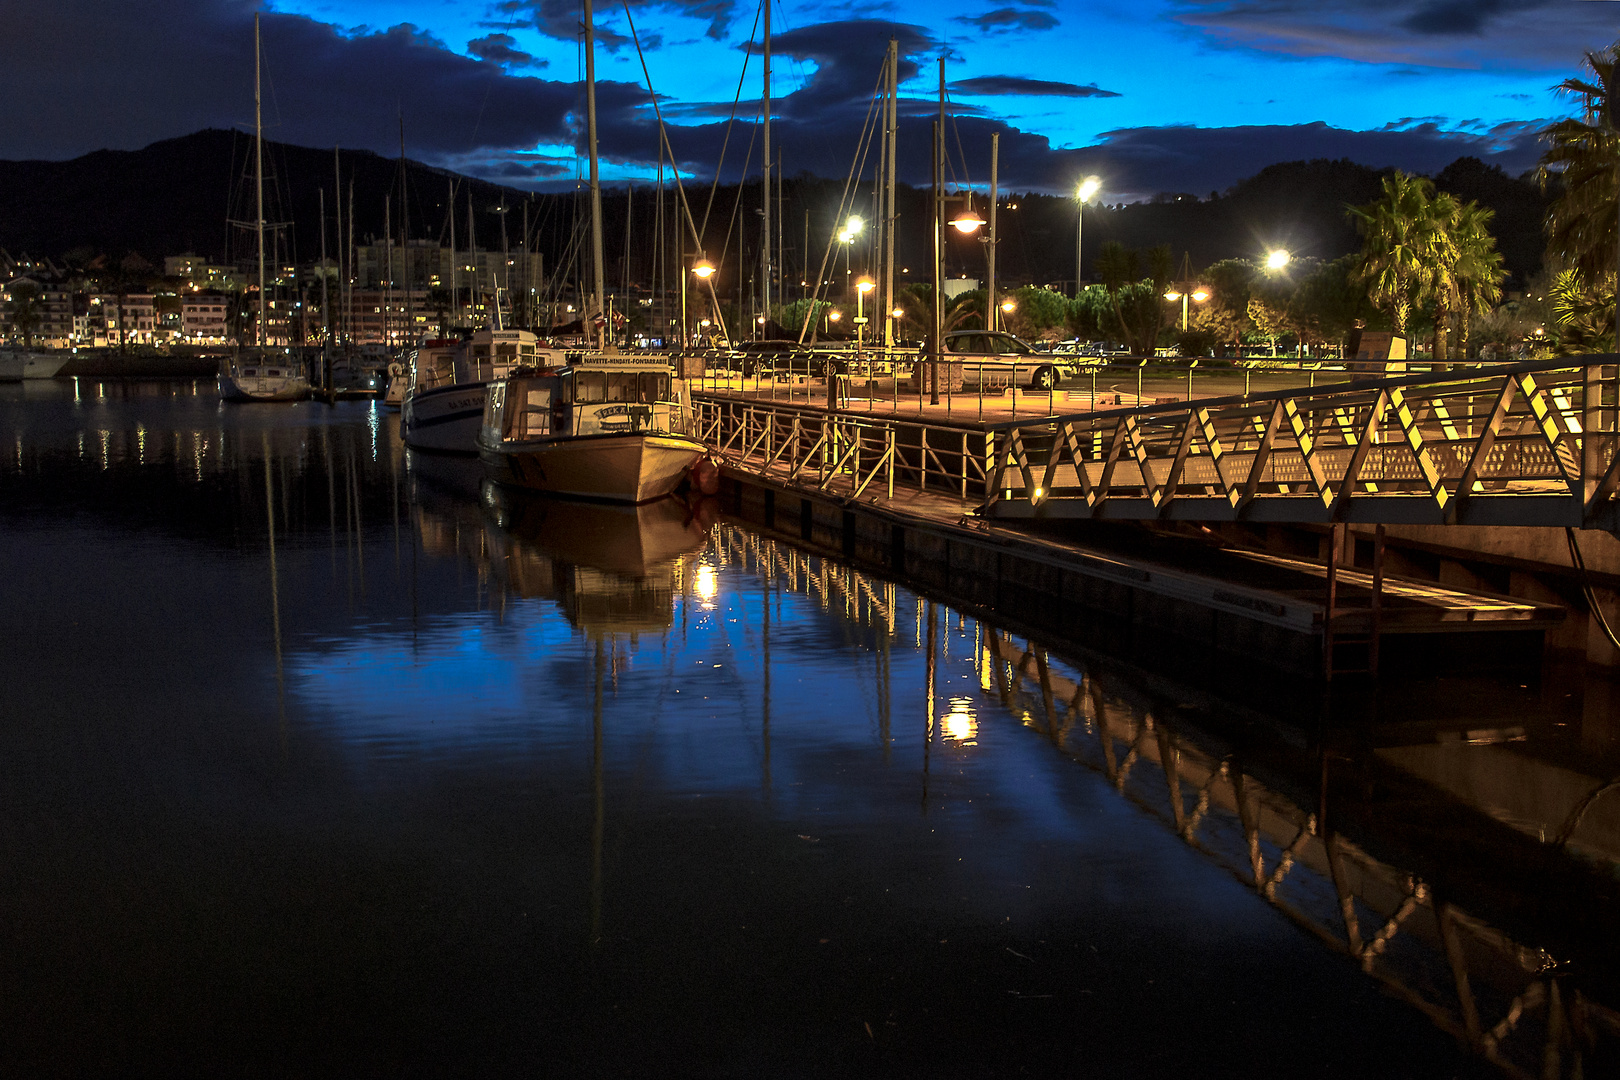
1583 312
1404 240
1475 278
1138 305
1271 322
1038 313
25 315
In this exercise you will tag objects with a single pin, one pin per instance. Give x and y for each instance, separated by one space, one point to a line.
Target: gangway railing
1522 444
850 455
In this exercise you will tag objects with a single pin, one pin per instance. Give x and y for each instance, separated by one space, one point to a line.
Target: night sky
1153 95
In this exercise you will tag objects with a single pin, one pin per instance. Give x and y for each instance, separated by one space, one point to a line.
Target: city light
967 222
865 285
1276 260
1088 187
704 270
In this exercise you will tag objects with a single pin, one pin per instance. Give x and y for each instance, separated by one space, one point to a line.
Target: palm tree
1476 275
1404 241
1583 153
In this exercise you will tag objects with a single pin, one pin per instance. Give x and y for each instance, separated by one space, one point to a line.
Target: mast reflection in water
449 780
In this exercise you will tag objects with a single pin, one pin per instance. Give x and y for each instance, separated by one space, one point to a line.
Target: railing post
922 459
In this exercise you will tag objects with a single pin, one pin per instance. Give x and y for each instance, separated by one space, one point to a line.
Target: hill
176 195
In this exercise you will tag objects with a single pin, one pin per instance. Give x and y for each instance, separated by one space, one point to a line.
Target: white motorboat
604 428
261 376
444 394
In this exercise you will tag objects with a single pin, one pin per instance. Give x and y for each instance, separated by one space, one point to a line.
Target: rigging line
731 120
868 127
736 204
663 133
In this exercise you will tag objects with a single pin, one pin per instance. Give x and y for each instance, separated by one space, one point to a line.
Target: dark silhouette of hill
175 196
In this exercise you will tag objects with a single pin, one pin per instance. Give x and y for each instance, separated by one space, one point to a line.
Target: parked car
781 357
991 359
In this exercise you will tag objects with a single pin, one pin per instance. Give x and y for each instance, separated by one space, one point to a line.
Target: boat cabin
488 355
586 398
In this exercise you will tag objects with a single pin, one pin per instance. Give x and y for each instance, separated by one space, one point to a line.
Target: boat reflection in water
614 569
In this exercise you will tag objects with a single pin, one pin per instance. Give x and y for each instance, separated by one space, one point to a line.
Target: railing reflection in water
1510 1003
1513 1004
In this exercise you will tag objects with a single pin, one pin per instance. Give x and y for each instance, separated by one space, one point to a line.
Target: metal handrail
1530 443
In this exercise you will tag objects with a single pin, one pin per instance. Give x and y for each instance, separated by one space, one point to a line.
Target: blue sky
1155 94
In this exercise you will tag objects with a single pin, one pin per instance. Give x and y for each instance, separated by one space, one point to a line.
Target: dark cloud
1515 34
996 85
1450 17
1009 20
502 49
561 18
84 75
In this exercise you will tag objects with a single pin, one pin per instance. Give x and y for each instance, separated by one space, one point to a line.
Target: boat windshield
597 387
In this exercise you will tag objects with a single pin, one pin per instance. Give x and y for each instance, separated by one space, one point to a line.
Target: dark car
771 358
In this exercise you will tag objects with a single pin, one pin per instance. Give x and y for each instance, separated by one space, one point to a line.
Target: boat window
590 387
528 350
480 350
622 386
654 386
506 350
251 372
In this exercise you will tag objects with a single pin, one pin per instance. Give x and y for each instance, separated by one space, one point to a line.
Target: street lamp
703 270
1196 293
1088 187
862 287
1277 260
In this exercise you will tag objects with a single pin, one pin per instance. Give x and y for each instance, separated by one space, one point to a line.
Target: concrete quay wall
1026 586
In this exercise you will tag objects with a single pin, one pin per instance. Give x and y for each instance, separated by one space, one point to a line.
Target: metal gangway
1523 444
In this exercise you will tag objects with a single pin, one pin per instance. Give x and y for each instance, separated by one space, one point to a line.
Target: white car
992 359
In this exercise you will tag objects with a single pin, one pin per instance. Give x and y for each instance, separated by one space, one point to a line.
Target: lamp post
862 287
703 270
1088 187
846 236
1185 292
1277 260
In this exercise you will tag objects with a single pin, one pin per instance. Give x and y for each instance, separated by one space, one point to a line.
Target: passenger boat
604 427
444 394
261 376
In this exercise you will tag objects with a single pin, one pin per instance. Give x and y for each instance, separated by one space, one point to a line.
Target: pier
1305 484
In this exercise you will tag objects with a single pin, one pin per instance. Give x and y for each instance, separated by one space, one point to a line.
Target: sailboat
603 426
261 374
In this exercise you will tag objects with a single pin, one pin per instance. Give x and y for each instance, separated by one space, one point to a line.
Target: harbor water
319 758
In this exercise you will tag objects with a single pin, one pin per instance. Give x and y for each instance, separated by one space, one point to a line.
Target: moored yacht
603 427
261 375
444 394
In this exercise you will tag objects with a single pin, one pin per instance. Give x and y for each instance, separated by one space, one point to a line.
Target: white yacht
604 427
444 393
30 364
262 376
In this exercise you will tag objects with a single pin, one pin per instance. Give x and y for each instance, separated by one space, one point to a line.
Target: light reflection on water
732 771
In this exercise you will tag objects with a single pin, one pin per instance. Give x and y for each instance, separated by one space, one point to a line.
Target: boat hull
43 365
626 468
445 418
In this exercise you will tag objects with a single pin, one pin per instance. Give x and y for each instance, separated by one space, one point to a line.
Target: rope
1586 587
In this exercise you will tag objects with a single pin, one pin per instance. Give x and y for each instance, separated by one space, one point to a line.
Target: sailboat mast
455 268
890 111
765 178
597 278
258 175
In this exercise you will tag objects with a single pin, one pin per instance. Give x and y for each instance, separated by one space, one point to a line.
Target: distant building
130 320
425 265
198 272
54 305
203 318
